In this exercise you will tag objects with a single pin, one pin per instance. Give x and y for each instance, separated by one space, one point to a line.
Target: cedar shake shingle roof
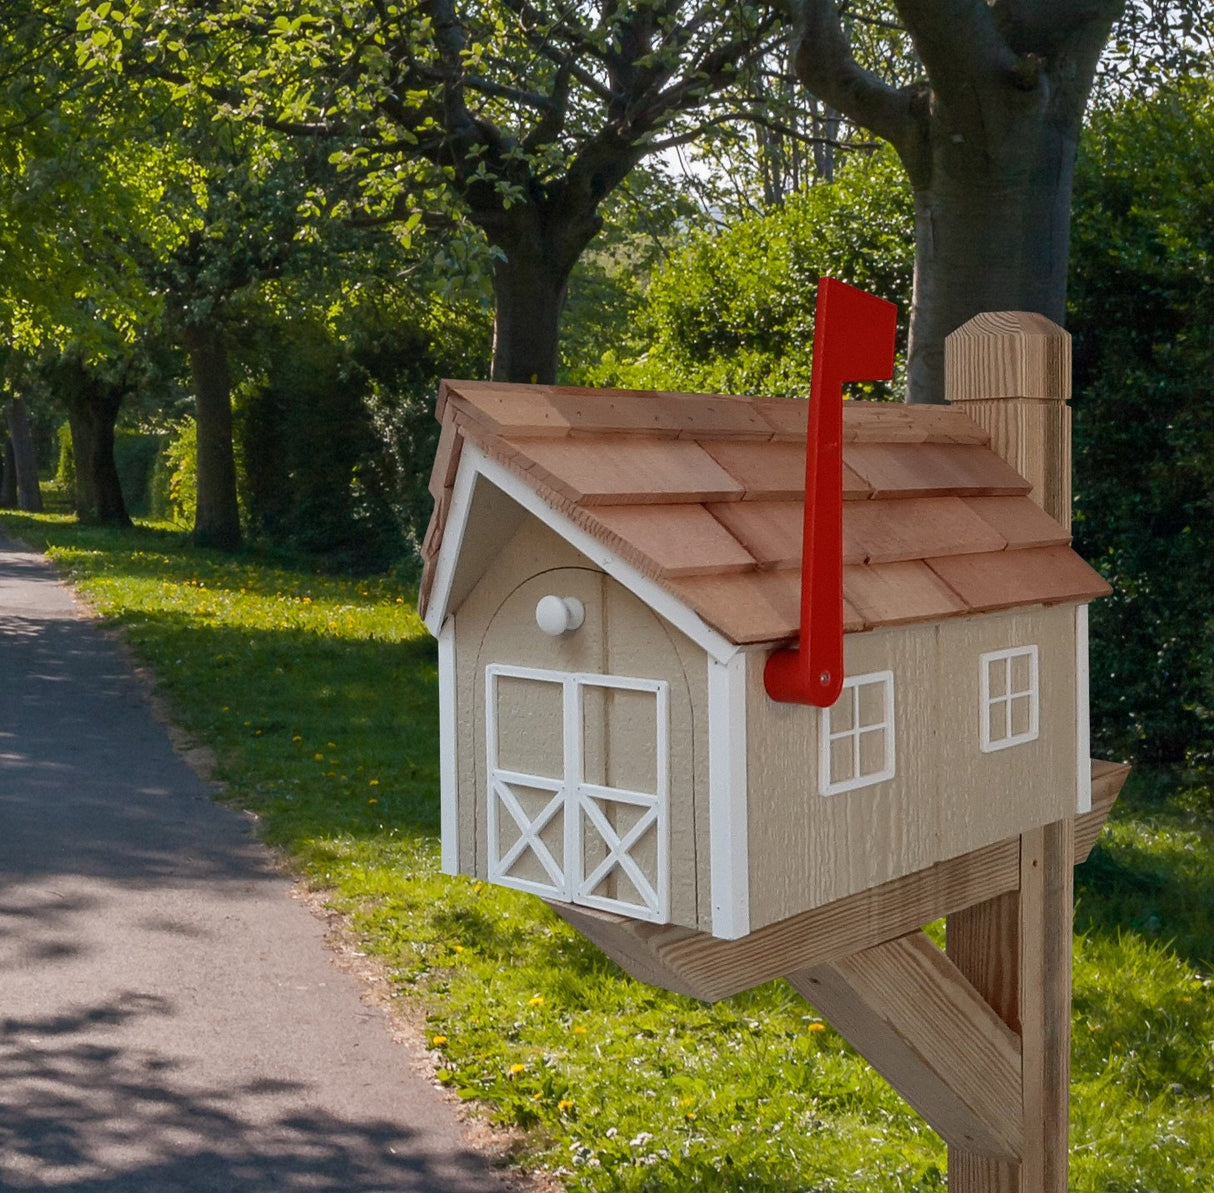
703 494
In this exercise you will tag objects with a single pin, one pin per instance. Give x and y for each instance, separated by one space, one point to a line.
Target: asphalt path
170 1018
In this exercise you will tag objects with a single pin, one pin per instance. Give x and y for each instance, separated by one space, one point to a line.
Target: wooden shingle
747 607
446 459
895 593
771 470
933 469
708 416
771 531
1023 523
672 540
505 410
597 470
787 417
886 531
1008 579
591 412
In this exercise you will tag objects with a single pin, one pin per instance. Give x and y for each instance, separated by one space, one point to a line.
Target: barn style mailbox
616 579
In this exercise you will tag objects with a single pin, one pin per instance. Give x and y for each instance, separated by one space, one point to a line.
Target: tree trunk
29 496
991 233
529 293
85 493
92 412
988 141
107 488
8 476
217 516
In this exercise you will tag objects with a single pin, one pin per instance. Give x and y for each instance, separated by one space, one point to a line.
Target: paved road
170 1020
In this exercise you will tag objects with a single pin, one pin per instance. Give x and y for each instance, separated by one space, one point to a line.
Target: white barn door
576 740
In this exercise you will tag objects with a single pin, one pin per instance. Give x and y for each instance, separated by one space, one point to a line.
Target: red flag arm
853 341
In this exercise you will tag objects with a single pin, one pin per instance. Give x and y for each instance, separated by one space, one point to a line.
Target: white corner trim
473 462
1083 711
448 771
729 843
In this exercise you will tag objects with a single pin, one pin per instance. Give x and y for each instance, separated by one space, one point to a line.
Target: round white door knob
559 615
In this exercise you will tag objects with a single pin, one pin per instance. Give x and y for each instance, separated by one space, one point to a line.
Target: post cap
1007 354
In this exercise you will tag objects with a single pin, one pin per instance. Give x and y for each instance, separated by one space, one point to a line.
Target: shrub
174 481
136 455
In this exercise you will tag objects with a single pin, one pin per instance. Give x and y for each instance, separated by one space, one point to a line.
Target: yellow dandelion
817 1027
438 1041
318 758
372 800
537 1000
564 1104
459 948
516 1069
373 783
579 1030
297 738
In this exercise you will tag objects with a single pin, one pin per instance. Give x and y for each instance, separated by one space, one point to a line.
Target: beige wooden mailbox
607 573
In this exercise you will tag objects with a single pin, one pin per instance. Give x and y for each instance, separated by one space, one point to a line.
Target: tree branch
825 65
959 43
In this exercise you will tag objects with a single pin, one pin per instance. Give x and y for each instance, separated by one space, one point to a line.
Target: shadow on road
81 1110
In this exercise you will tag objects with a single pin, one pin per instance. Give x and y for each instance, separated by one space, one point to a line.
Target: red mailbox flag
853 341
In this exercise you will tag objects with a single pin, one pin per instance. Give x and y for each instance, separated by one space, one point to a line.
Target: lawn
318 696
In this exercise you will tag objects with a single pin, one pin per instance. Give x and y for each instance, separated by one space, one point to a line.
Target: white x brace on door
553 829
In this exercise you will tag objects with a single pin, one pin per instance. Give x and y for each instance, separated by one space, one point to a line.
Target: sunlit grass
318 695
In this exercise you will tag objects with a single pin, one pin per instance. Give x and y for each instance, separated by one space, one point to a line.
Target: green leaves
732 312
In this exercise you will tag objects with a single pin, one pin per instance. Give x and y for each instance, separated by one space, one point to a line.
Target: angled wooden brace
978 1040
911 1013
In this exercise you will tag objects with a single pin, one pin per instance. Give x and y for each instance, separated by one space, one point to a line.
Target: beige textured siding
946 798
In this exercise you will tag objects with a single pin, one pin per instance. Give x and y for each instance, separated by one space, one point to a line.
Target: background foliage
1142 314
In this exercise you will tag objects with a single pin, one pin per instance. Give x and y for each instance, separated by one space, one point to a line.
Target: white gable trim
729 841
453 538
1083 722
474 463
448 779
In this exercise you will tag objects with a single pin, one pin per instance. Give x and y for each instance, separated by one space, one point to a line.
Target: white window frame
826 737
576 799
987 701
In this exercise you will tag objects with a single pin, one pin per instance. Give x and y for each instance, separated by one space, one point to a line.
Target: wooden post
1011 372
1016 952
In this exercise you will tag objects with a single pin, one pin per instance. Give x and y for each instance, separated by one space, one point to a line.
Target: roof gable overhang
488 504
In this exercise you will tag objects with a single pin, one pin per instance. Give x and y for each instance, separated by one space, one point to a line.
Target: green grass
319 697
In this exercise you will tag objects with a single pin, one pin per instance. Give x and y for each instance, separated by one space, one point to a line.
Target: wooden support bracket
912 1014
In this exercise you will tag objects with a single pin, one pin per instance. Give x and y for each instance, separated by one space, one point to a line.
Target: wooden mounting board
702 966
